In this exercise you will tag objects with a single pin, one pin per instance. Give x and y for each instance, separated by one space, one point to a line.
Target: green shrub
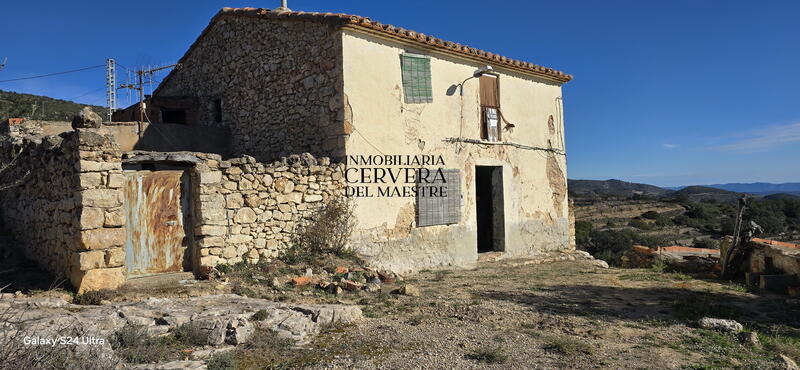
582 231
706 243
221 362
640 224
651 215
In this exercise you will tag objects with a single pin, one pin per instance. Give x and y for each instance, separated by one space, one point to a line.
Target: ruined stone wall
38 209
65 213
278 84
99 259
247 210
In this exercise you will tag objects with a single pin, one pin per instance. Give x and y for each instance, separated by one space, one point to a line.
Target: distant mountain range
618 188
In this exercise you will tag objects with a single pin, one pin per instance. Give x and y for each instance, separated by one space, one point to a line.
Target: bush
582 231
133 344
221 362
328 232
489 355
706 243
664 221
610 245
568 346
652 215
260 315
191 334
93 297
640 224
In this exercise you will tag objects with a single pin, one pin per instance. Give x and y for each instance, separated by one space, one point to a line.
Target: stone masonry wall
246 210
100 251
65 213
38 209
279 84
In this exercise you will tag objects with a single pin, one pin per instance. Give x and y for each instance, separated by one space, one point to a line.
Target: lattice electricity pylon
111 87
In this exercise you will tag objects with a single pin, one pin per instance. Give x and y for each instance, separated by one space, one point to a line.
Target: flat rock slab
228 318
173 365
159 280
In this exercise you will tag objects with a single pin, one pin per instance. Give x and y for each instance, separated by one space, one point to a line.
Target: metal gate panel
156 237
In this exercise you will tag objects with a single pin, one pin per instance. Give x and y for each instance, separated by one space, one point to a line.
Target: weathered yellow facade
380 122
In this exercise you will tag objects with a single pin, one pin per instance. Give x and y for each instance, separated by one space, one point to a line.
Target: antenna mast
139 86
111 87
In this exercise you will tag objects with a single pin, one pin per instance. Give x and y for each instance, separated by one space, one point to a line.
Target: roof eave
557 77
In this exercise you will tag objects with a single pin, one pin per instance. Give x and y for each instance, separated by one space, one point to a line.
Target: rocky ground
502 314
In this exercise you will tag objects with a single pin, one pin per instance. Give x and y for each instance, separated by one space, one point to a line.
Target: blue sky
665 92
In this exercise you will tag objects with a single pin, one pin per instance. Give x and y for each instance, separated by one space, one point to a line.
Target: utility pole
111 87
139 86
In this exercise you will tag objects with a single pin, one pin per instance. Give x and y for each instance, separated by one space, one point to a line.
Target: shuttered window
490 108
489 93
440 210
416 78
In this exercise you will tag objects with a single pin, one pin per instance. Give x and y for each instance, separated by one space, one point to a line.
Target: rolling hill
617 188
13 104
706 193
783 196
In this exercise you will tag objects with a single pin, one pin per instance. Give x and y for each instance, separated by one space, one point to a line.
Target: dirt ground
559 315
509 314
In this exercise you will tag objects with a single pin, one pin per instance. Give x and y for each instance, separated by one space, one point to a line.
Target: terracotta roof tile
367 24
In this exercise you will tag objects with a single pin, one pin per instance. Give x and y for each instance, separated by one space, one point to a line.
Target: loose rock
408 290
87 118
728 326
786 363
749 339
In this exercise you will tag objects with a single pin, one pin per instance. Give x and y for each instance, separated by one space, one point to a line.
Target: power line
90 92
123 67
54 74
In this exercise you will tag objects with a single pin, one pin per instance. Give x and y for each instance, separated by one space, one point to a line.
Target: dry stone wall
65 210
279 85
248 211
68 212
38 208
99 260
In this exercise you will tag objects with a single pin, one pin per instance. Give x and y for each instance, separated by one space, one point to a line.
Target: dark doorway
489 208
173 116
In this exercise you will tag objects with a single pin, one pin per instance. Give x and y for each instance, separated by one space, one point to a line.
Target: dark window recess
438 209
174 116
490 108
416 78
217 110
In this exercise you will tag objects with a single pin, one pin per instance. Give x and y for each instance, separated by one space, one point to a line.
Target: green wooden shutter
440 210
416 78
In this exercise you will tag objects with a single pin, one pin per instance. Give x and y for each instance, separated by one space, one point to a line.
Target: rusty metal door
156 239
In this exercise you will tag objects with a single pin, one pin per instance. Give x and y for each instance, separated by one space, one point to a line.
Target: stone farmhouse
273 112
